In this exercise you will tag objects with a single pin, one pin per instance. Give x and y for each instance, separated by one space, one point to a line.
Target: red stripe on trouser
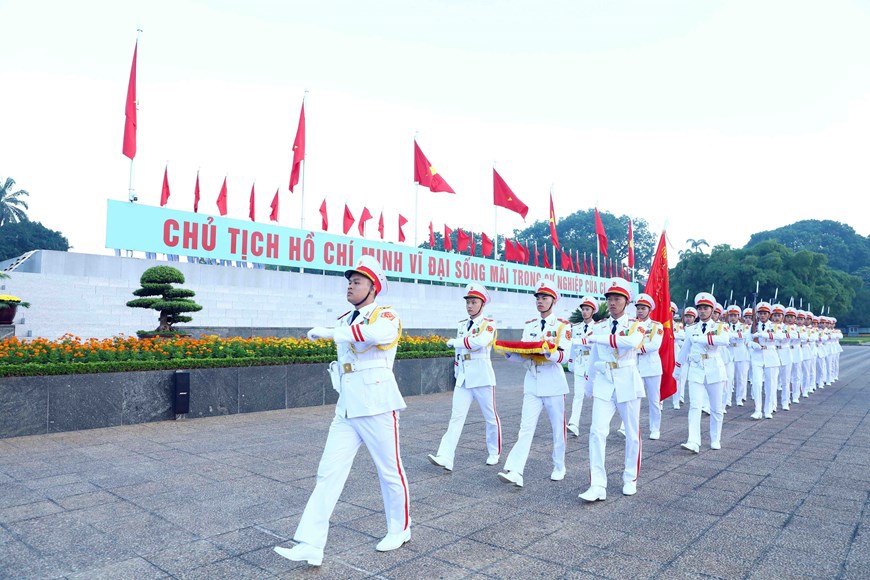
497 422
639 444
399 468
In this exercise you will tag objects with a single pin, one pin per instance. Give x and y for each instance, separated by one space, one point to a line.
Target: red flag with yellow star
658 286
425 174
503 196
553 235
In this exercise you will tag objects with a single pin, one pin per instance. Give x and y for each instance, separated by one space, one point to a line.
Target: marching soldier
615 385
475 379
783 349
764 361
367 413
579 358
739 355
836 336
689 317
649 363
792 345
544 387
701 360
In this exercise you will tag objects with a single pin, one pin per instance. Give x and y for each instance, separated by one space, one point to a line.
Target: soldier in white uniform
836 336
367 413
748 318
792 345
615 385
475 379
649 363
764 361
822 350
740 356
777 315
689 317
701 360
544 387
812 347
579 358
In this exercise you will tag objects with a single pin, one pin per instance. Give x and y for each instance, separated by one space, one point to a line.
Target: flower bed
72 355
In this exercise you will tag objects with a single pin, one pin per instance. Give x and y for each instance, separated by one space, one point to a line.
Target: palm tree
11 203
695 245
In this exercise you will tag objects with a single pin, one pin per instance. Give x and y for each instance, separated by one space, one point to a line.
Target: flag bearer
475 379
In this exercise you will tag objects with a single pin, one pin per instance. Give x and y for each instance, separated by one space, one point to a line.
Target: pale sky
722 118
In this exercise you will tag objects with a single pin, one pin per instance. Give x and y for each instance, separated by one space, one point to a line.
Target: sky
717 119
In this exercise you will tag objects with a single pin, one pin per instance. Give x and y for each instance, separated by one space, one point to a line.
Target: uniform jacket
612 367
366 351
763 352
649 363
701 352
472 364
546 379
580 352
737 345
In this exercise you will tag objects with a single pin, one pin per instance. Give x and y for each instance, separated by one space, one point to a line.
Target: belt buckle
613 365
347 367
466 357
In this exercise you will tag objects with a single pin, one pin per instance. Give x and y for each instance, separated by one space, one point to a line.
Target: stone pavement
209 498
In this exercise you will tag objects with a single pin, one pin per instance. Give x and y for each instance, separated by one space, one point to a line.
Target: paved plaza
209 498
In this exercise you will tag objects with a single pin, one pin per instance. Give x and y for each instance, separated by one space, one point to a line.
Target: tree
11 203
845 249
18 238
158 294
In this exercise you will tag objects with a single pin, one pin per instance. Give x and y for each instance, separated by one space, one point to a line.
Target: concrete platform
209 498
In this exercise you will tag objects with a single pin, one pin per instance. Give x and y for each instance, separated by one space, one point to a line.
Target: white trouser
796 381
771 381
532 407
577 402
380 433
653 387
714 395
821 370
741 375
602 413
681 389
830 368
462 398
785 384
809 375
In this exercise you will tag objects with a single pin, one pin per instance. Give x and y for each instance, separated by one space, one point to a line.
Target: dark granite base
38 405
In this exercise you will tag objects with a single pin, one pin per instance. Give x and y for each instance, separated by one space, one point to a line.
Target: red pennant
502 196
486 246
196 194
298 149
402 222
431 236
274 205
324 221
129 147
462 240
348 220
164 193
448 244
381 225
251 213
602 235
222 198
546 259
425 174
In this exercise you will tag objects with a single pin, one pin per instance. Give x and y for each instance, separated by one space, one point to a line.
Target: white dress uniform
578 362
679 339
810 356
367 413
740 355
649 365
544 387
615 385
800 355
475 381
765 364
701 360
836 336
822 358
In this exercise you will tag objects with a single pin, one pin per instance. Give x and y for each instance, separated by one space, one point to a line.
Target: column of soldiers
615 362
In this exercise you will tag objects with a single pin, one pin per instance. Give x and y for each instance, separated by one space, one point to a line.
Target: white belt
621 364
472 356
363 365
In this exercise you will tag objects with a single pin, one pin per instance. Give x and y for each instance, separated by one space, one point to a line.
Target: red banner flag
251 204
348 220
462 240
528 254
509 252
274 205
298 149
546 258
381 226
402 222
365 216
472 243
602 235
196 194
486 246
566 261
425 174
658 286
222 198
502 196
324 221
585 265
129 147
630 246
448 244
537 254
591 267
431 236
553 237
164 193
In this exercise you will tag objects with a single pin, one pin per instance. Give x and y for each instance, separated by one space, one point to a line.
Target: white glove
451 343
320 332
676 373
699 338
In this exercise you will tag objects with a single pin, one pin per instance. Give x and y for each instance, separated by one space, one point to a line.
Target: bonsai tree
158 294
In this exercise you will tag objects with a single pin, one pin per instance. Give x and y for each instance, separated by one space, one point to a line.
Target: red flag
448 245
402 222
472 243
324 221
658 286
251 204
462 240
527 255
509 251
486 246
576 261
425 174
585 265
365 216
381 227
591 267
298 149
503 196
129 147
196 194
274 205
537 255
164 194
566 261
553 236
348 220
222 198
431 236
630 245
546 259
602 235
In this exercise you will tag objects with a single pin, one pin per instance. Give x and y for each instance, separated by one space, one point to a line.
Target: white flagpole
495 221
304 168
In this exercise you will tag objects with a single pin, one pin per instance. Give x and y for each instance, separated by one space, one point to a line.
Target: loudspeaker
181 393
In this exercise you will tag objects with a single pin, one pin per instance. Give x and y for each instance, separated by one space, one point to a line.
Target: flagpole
416 195
304 171
495 221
